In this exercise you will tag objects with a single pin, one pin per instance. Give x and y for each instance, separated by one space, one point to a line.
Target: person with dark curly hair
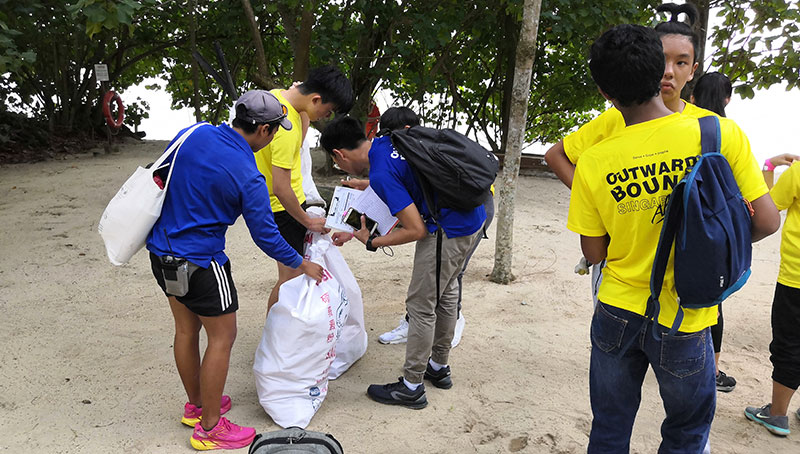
617 203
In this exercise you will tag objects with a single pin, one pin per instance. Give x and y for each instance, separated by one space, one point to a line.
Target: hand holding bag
131 214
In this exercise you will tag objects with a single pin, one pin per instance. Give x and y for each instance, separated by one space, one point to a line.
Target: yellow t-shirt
785 195
607 124
620 188
283 152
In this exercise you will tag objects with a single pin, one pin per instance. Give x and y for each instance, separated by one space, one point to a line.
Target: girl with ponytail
680 52
713 92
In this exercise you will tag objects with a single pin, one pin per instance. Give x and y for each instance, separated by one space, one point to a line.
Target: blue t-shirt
393 180
216 180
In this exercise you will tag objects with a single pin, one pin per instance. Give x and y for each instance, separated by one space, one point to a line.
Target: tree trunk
701 28
261 77
526 50
303 43
195 71
507 51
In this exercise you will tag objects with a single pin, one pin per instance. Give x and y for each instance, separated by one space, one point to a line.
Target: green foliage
449 59
456 63
65 41
758 43
137 111
223 21
107 14
12 58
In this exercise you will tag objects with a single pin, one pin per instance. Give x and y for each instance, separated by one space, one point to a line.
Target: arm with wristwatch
411 228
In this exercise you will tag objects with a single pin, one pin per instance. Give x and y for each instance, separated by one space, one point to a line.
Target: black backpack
455 169
294 440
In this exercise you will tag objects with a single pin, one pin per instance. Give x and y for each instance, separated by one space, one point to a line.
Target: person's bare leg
221 331
716 362
284 274
187 349
781 396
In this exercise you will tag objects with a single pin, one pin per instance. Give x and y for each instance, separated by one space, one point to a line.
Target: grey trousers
431 325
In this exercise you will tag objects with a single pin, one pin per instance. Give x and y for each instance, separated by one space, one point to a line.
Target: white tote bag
298 344
131 214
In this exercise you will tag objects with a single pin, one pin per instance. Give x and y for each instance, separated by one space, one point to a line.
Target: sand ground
87 367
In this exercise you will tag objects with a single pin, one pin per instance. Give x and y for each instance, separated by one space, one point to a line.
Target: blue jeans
683 365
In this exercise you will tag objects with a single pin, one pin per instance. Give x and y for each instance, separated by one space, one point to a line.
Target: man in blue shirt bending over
431 320
215 180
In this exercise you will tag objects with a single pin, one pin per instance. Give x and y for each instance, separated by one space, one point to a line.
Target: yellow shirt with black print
620 189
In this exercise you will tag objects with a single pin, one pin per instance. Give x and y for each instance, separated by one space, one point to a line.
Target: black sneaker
725 384
398 394
439 378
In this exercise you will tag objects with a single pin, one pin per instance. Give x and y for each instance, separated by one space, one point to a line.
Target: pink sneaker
225 435
192 415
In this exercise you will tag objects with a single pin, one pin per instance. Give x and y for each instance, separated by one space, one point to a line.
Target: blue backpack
708 221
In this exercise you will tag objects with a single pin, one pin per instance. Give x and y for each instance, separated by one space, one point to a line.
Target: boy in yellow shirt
680 43
324 91
618 199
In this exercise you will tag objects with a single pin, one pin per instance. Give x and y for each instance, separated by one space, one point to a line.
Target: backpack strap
665 242
710 137
438 263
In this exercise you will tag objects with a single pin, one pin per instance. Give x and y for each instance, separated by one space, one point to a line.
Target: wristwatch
370 247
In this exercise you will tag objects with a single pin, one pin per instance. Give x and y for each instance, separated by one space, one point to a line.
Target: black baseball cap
260 107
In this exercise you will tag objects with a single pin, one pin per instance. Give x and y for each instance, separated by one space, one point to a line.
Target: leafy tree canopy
449 59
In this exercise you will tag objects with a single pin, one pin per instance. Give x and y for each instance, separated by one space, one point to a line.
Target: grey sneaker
778 425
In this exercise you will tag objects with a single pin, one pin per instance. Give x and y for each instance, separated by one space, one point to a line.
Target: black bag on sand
295 440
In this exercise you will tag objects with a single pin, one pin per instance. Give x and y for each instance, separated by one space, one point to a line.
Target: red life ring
110 97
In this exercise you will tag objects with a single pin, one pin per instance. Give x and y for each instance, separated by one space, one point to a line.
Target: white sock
436 366
411 386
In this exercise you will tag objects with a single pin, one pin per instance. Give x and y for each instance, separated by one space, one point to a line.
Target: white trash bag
298 344
352 343
132 212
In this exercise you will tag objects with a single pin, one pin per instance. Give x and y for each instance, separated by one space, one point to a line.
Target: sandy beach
87 363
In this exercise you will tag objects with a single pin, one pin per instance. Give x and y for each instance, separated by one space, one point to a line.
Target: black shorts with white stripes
211 290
